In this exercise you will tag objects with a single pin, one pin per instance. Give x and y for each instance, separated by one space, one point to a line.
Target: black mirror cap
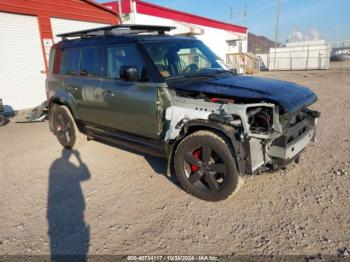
234 70
129 73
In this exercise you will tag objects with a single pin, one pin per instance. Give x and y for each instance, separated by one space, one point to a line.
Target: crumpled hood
289 95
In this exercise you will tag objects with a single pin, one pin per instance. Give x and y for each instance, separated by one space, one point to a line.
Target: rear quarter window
51 59
70 61
55 61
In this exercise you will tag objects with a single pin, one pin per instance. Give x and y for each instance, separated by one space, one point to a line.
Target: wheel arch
228 133
62 102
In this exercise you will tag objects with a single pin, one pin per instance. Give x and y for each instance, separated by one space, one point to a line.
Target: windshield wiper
199 75
210 74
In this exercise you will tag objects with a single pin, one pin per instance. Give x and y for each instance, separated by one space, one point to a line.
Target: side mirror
129 73
234 70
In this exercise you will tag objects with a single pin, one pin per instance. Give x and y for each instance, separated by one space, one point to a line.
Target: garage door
60 26
21 83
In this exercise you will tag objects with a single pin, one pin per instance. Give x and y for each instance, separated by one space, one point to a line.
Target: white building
220 37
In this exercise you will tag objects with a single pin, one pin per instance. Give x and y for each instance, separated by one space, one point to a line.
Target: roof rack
118 30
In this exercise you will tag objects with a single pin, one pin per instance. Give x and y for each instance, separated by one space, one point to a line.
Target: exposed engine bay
267 136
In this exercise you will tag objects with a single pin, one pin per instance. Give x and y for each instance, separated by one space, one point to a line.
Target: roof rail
118 29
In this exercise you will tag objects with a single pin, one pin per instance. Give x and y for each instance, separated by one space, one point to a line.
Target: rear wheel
2 120
205 166
65 128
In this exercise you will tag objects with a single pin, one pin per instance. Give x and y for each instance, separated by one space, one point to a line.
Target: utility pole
240 13
277 28
245 13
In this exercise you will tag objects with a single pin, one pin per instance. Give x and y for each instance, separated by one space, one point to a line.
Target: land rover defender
170 96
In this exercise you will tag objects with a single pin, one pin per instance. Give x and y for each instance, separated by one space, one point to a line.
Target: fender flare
62 101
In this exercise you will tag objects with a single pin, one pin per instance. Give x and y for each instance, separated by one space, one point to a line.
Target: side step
127 142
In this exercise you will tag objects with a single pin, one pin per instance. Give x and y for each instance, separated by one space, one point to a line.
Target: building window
240 48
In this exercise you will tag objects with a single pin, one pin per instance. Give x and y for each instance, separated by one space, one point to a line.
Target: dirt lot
117 202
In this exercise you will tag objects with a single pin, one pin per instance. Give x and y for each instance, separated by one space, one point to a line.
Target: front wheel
64 127
205 166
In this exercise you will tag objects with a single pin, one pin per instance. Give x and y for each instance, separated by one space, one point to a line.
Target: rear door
69 71
92 71
128 106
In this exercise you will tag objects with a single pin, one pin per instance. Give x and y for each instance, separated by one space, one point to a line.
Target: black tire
205 166
3 120
65 128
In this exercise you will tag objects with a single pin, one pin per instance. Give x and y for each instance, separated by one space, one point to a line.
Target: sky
329 19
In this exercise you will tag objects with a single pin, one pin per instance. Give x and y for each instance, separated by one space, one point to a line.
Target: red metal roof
164 12
84 10
112 5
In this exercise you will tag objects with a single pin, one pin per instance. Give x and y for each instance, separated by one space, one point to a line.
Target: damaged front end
262 135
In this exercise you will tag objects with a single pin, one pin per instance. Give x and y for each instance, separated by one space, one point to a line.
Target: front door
129 106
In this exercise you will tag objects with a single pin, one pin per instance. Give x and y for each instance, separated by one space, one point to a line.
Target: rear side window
70 61
55 61
118 56
92 62
51 59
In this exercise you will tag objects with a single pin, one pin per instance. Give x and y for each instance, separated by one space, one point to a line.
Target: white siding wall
214 38
60 26
22 84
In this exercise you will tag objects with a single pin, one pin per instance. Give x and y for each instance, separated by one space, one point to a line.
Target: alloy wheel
205 169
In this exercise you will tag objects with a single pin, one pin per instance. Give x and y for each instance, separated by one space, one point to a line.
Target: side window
118 56
92 63
70 61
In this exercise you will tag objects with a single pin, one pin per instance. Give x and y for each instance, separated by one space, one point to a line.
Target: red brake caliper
197 155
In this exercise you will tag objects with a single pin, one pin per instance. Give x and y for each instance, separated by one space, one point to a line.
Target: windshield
181 59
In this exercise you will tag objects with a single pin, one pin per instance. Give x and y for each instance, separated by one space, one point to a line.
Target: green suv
170 96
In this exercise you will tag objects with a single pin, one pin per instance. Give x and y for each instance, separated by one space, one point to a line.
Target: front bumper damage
271 149
293 148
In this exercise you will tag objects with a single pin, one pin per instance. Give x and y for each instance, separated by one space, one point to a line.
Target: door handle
108 94
72 88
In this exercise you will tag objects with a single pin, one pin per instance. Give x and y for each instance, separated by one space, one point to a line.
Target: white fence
298 56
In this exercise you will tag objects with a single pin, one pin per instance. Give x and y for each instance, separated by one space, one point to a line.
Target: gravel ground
104 200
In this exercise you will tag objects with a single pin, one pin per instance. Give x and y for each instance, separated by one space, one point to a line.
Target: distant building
222 38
